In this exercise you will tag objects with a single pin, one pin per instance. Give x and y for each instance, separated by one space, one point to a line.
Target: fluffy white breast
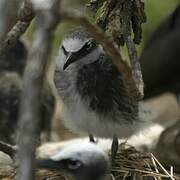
80 119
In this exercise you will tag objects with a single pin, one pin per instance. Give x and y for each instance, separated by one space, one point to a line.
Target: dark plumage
12 65
98 83
160 59
10 90
14 60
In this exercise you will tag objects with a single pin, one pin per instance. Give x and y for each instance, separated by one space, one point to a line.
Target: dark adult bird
14 60
12 65
160 58
95 98
82 161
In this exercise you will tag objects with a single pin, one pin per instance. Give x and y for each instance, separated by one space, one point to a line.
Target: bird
12 65
94 96
160 58
81 161
14 60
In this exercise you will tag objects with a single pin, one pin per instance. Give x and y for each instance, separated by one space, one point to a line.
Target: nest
129 164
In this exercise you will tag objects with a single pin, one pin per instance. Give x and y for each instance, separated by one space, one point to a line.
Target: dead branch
33 81
23 21
135 65
111 50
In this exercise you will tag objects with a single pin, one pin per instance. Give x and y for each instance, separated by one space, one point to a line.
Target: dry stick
33 82
155 166
111 50
165 171
26 15
135 65
149 173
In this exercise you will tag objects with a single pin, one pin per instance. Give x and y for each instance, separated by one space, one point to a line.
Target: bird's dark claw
91 138
114 148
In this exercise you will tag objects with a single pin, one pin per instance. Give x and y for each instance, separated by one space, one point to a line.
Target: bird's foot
91 138
114 148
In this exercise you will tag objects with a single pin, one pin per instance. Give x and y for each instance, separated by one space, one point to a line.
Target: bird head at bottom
84 161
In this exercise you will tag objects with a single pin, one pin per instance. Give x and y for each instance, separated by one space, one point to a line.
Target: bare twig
8 149
126 23
25 17
165 171
135 65
110 48
33 82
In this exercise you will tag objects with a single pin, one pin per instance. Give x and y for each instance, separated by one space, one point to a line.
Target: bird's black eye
88 45
73 164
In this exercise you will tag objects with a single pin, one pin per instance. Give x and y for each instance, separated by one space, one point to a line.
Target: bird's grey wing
125 105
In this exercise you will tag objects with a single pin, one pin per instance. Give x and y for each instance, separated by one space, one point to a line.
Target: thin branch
33 82
135 65
25 17
165 171
111 50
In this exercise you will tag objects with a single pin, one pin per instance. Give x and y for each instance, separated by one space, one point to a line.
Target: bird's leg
114 148
91 138
178 98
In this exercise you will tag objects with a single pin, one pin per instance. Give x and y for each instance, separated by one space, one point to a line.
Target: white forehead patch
73 44
79 149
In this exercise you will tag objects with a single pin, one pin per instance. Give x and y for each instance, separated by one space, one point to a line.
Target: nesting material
129 164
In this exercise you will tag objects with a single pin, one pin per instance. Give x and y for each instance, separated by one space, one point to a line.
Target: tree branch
25 17
33 81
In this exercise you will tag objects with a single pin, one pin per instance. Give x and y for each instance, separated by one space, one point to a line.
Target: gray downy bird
93 93
82 161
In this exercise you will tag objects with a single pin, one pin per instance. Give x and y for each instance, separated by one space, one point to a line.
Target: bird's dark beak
71 57
49 164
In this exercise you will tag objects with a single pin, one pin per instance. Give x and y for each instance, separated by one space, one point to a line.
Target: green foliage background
156 11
